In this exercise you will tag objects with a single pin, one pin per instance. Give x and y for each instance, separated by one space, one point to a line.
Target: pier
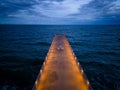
61 69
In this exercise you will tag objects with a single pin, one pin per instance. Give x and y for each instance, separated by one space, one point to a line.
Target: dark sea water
23 49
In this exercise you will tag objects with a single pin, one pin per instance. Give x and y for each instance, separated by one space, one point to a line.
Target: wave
107 53
7 51
39 43
17 63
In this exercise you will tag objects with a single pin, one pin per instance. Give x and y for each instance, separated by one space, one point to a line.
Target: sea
23 49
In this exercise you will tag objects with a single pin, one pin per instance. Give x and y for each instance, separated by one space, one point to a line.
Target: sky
60 12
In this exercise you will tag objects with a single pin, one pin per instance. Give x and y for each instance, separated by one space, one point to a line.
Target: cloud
59 11
114 7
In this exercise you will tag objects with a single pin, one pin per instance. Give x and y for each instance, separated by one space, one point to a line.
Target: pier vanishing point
61 70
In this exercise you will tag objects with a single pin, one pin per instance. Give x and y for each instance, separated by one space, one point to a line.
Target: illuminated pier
61 70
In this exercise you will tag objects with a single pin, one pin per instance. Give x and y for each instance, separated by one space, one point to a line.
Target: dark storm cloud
59 11
11 6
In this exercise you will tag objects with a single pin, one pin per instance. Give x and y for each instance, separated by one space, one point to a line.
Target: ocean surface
24 47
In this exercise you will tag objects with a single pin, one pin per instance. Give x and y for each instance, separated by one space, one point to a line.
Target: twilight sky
59 11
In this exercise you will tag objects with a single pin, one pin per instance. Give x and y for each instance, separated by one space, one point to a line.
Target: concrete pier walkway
61 70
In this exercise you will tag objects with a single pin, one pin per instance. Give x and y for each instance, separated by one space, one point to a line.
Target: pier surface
61 70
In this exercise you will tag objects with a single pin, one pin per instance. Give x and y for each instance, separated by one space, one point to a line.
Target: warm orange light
62 71
36 82
41 71
44 63
82 71
88 82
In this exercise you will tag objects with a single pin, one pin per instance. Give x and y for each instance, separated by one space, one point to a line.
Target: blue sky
60 11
